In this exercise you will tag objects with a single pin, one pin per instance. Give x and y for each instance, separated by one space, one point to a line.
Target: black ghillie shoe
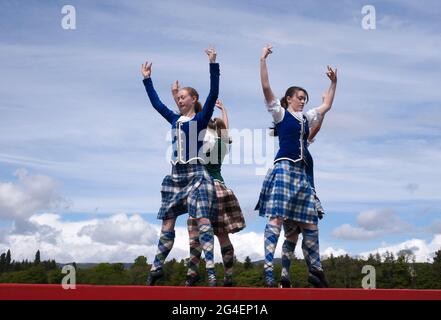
228 282
192 280
284 283
154 276
317 278
270 284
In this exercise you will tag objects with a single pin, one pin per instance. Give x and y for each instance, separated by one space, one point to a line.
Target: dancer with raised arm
291 234
229 217
287 197
189 188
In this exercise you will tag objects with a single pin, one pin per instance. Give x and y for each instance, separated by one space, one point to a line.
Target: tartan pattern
189 188
290 227
318 206
195 247
311 251
288 248
229 218
287 193
206 239
196 251
165 244
228 260
271 237
211 275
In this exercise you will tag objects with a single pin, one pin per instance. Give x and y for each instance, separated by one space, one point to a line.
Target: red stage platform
90 292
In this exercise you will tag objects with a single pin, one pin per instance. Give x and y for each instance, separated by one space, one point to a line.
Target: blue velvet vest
293 136
187 141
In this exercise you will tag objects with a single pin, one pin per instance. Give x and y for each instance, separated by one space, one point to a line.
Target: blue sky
83 153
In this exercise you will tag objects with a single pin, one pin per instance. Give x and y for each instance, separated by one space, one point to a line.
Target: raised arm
208 108
330 94
267 92
326 105
146 70
223 110
175 91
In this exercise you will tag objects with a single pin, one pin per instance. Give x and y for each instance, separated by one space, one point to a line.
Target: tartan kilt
318 206
286 193
229 218
188 189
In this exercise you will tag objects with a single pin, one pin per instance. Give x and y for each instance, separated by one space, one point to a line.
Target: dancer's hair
290 92
219 126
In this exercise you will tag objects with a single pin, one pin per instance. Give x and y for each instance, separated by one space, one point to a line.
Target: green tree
3 262
437 257
8 260
401 275
139 271
34 275
247 264
37 258
55 276
436 269
378 257
141 261
104 274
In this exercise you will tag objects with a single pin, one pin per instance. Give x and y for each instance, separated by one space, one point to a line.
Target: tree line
392 272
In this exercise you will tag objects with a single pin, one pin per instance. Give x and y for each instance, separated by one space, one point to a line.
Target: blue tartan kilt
286 193
188 189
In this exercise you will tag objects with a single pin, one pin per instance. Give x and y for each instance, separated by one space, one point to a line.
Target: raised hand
146 69
211 52
266 51
175 91
332 74
175 87
219 104
328 96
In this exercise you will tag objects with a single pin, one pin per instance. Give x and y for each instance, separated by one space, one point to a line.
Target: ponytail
197 107
284 102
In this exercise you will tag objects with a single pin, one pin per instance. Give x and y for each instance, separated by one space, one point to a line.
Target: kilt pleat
229 218
286 193
188 189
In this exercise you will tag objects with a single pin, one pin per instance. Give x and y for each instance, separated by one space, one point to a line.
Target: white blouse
278 112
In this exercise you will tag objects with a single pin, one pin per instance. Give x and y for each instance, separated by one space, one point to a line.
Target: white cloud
423 250
372 224
119 238
79 241
30 194
335 252
348 232
382 220
122 229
